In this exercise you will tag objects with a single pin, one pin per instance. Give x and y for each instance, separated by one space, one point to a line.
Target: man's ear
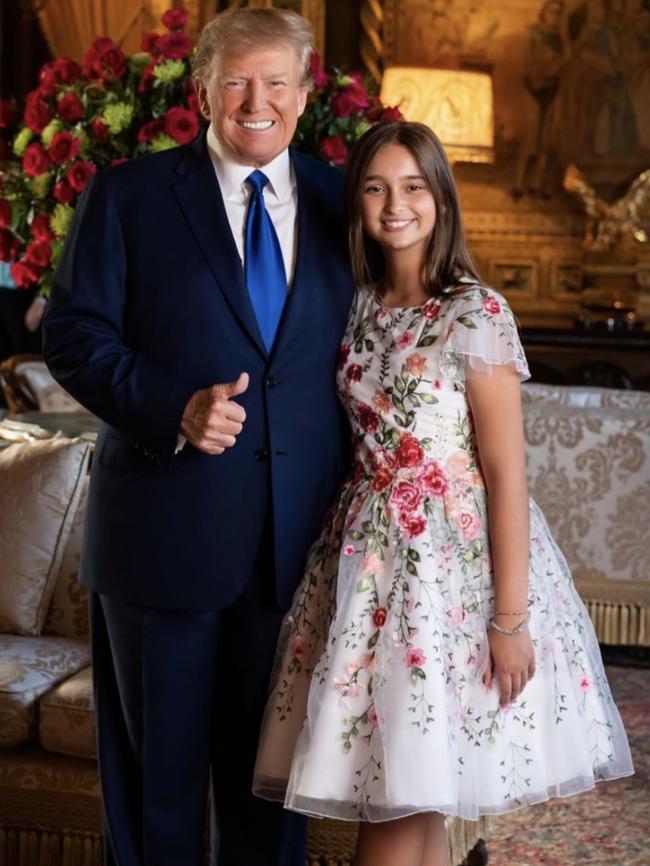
202 96
302 99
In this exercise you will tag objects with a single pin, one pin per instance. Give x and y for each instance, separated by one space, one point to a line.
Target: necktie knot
257 180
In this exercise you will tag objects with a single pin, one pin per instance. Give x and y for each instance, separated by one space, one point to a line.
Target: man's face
253 102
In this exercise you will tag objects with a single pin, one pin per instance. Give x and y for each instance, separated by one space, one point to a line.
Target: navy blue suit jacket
149 305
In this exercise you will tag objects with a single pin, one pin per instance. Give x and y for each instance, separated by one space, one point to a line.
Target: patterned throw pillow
40 486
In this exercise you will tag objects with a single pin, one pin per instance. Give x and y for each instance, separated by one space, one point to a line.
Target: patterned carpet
606 827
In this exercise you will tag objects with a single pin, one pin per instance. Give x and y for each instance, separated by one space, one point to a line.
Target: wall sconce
457 104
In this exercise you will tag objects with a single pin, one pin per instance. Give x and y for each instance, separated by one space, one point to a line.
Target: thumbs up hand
212 420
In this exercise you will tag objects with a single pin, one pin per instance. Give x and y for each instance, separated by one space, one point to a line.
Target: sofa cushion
40 485
29 667
67 614
67 717
49 395
582 396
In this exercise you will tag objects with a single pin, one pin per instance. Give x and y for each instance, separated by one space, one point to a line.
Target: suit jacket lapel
199 196
298 300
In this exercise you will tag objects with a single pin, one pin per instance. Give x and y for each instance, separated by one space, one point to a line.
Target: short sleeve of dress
482 333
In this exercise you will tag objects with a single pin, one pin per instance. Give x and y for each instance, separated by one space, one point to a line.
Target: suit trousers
179 700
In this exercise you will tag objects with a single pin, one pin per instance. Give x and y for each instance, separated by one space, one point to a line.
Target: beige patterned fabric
581 397
68 612
589 470
29 667
40 485
67 717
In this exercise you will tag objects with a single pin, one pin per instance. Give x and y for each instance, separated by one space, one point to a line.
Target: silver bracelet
511 631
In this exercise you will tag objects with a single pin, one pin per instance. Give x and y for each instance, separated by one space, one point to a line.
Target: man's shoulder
147 169
318 172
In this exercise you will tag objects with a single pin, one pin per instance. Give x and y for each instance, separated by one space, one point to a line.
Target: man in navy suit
197 310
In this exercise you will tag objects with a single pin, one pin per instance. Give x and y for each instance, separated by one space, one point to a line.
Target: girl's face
397 206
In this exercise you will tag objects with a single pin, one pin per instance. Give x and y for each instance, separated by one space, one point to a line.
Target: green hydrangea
82 135
118 116
40 185
169 70
140 60
61 219
162 142
50 131
22 140
361 127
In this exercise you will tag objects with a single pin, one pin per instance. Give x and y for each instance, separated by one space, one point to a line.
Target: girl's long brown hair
447 257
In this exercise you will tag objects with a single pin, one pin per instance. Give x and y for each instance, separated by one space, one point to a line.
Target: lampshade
456 104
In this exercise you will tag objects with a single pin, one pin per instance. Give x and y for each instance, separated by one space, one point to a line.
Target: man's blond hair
239 31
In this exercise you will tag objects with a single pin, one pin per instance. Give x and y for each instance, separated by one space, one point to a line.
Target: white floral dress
377 708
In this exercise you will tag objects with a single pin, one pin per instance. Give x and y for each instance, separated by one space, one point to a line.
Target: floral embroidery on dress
379 669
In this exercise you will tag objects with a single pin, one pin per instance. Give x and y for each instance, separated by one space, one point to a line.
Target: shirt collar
231 175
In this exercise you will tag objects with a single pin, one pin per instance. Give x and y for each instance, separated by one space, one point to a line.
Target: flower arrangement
85 117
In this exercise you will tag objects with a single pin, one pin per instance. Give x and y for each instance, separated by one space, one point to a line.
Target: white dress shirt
280 198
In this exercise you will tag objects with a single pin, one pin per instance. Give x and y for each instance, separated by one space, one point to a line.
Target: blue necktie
266 277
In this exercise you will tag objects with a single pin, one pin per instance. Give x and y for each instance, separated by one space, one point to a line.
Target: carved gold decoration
371 47
456 104
608 223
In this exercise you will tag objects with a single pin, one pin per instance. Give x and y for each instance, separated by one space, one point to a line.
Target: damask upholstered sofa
588 453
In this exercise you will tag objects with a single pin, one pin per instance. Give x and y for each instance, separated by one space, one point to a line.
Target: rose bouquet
110 108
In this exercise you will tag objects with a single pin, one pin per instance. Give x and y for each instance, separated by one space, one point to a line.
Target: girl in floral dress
437 659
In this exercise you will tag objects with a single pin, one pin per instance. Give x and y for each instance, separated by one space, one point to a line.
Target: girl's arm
495 401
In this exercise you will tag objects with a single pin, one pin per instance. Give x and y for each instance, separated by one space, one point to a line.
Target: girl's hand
512 663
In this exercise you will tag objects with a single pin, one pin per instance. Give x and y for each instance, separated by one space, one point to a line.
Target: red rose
433 479
149 43
344 353
431 311
67 70
24 274
406 496
391 113
368 418
413 525
6 214
354 372
9 246
38 253
146 76
379 616
174 19
319 77
382 478
181 124
37 112
79 173
104 60
409 451
150 130
193 102
492 306
41 230
48 79
70 108
63 147
175 46
352 98
99 128
333 148
63 192
7 113
35 161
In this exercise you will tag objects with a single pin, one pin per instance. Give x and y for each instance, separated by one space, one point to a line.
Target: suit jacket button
272 382
261 455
